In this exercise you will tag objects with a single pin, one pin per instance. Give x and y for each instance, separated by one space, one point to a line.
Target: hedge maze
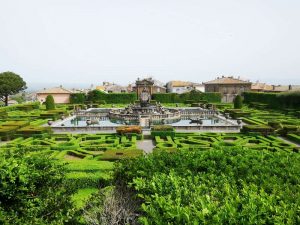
27 120
81 146
207 141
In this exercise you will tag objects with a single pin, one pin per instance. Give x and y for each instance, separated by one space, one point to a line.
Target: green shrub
294 137
34 190
162 131
238 102
275 124
77 98
50 105
257 129
112 155
286 129
214 187
29 131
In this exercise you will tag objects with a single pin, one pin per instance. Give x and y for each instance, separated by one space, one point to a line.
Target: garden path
146 145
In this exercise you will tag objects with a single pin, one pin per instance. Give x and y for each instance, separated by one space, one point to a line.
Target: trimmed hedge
188 97
294 138
29 131
113 155
257 129
77 98
274 100
96 96
162 131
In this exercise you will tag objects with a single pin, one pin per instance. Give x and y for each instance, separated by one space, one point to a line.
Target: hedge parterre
207 141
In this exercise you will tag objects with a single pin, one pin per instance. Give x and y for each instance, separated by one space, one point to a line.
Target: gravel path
146 145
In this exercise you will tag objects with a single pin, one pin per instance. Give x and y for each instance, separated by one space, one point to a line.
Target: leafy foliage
10 84
50 104
97 96
77 98
225 185
33 190
238 102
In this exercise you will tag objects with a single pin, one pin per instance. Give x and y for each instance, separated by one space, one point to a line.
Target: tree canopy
34 189
10 84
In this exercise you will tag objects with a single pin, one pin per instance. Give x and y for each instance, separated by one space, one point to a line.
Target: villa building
180 87
261 87
229 87
60 95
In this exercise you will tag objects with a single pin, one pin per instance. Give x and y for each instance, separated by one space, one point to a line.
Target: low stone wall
83 129
208 128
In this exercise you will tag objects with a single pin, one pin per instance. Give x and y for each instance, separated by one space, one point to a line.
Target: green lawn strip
89 175
83 195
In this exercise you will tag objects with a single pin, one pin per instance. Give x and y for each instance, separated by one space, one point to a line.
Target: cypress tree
50 102
238 102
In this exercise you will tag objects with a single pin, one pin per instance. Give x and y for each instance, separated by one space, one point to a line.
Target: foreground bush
220 186
33 190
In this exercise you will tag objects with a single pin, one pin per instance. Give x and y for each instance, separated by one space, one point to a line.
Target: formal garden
246 177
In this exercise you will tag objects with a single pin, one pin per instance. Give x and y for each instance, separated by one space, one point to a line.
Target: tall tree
10 84
238 102
50 104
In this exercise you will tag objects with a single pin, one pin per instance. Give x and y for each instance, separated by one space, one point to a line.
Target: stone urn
62 117
88 122
62 125
239 122
50 122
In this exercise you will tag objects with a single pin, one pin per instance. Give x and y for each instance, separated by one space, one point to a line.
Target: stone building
229 87
180 87
149 85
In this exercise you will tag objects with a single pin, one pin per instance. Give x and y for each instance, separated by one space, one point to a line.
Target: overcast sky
90 41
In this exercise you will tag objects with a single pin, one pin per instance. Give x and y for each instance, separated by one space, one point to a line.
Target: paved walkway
146 145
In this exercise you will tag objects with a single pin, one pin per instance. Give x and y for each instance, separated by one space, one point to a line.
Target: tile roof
281 88
55 90
261 86
178 83
227 80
